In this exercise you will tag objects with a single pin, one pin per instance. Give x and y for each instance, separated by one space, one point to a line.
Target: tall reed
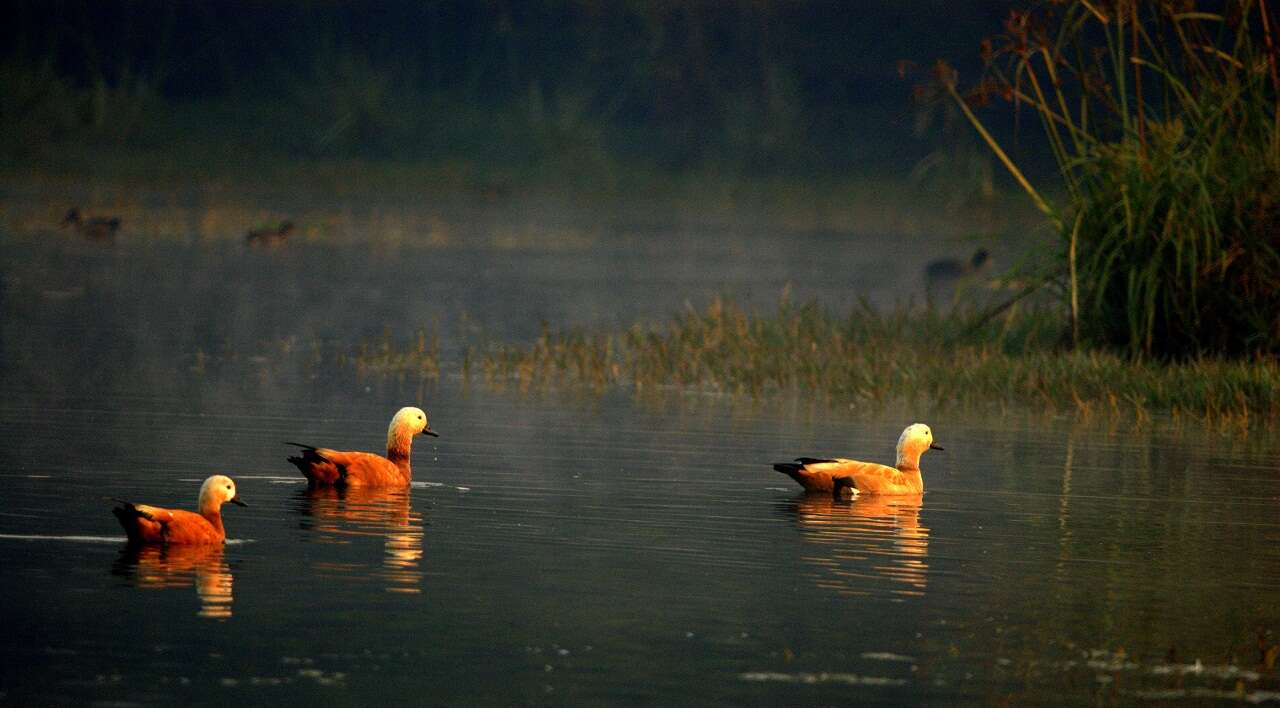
1164 121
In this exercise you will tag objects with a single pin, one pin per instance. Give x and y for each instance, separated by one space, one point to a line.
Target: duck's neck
207 505
913 478
399 443
909 465
212 512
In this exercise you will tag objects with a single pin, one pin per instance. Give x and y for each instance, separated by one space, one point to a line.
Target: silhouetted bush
1165 123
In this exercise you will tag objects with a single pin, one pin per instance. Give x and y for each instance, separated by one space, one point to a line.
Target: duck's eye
419 417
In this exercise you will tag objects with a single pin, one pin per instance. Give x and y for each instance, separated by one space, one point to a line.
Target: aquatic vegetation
384 357
1164 122
872 360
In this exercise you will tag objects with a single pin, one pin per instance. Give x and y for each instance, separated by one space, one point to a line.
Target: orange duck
152 524
819 475
949 274
97 228
324 467
269 237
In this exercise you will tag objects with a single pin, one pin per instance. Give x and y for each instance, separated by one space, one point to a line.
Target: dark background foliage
773 86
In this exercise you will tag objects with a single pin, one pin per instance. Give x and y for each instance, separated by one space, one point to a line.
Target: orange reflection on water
865 541
179 566
342 515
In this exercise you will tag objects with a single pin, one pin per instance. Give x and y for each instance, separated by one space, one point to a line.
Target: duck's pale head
216 491
412 421
913 442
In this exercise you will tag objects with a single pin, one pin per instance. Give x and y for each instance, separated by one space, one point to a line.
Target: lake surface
563 548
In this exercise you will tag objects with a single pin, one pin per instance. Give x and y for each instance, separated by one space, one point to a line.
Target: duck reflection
865 541
151 566
345 515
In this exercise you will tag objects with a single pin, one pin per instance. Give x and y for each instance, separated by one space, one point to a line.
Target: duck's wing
323 466
366 469
316 465
874 478
189 528
817 474
817 460
142 523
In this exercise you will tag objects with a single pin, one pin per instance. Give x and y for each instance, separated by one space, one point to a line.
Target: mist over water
466 175
568 548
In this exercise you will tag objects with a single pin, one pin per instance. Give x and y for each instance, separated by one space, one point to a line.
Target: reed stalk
1170 218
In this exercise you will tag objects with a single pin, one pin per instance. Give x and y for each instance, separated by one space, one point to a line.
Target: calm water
569 550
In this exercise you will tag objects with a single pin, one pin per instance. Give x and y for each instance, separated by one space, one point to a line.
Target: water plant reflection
343 516
156 567
865 541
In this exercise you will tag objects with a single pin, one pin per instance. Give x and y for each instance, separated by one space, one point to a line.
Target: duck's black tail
312 464
792 469
128 510
310 455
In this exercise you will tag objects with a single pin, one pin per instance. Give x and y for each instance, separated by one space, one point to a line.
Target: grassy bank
924 360
198 192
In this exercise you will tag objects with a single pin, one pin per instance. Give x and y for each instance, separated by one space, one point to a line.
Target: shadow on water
156 567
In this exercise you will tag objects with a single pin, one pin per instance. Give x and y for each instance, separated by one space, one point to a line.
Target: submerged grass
926 360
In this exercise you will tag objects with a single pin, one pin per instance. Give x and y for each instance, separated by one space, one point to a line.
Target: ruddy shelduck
948 274
152 524
819 475
98 228
269 237
324 467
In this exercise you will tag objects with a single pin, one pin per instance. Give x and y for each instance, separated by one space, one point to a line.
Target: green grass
1164 120
926 360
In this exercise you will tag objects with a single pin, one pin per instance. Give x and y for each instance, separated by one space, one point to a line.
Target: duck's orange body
325 467
97 228
269 238
949 275
820 475
144 523
868 477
